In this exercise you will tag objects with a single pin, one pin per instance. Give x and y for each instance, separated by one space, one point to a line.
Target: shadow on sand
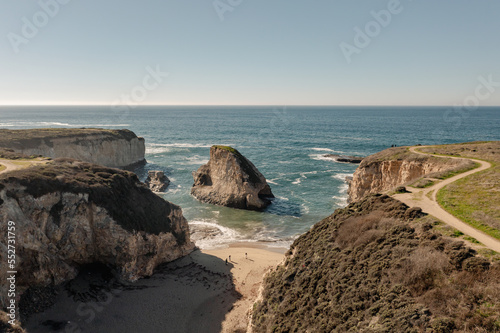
192 294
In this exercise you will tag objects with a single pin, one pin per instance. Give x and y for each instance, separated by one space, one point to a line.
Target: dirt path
419 198
9 166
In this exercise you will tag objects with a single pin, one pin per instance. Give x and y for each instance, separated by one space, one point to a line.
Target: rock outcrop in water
393 167
157 181
230 179
344 158
69 214
112 148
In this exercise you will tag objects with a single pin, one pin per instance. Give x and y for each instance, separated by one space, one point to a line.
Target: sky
250 52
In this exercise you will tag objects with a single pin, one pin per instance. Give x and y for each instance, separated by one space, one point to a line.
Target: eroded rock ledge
230 179
393 167
112 148
69 213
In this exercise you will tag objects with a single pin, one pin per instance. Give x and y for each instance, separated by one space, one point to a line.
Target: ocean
287 144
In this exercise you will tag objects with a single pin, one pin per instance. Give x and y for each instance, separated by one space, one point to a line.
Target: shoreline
199 292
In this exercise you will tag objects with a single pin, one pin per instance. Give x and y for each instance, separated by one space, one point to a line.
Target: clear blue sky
282 52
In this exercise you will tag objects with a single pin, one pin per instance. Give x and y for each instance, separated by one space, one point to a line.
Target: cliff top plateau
33 137
112 148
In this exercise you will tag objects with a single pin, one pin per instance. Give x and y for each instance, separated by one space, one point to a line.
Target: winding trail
9 166
419 198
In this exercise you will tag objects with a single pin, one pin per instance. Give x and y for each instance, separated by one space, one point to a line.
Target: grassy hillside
474 199
377 266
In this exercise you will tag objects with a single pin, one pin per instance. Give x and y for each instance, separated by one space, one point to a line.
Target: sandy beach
198 293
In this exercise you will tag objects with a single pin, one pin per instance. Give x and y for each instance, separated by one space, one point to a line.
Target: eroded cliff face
69 213
229 179
112 148
393 167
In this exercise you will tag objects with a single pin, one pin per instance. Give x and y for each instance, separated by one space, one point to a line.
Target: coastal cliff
393 167
230 179
379 266
112 148
69 214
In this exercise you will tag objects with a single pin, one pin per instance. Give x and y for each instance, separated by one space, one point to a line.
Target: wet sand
198 293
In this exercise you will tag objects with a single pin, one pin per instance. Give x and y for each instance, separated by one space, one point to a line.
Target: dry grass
2 167
476 198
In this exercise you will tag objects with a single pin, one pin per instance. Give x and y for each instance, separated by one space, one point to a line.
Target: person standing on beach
226 261
230 258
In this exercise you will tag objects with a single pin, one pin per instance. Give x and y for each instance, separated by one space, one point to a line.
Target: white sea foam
327 149
305 208
340 200
320 157
343 188
196 159
157 150
209 235
342 176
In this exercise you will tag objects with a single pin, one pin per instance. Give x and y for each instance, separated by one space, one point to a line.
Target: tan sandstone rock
112 148
69 213
157 181
230 179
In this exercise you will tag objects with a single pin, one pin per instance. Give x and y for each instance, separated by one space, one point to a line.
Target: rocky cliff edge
396 166
69 213
112 148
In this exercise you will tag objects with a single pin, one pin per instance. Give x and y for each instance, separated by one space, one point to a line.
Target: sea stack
230 179
157 181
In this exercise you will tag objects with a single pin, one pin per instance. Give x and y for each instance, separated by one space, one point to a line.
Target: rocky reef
379 266
393 167
112 148
344 158
230 179
157 181
69 213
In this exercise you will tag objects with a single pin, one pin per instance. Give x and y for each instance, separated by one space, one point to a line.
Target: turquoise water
286 144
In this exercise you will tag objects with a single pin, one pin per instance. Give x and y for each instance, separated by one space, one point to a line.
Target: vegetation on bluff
129 202
378 266
32 138
474 199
